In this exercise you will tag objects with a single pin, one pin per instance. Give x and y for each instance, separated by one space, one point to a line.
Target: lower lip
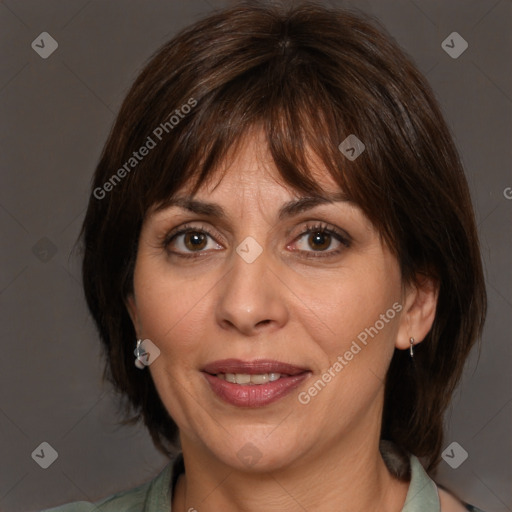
256 395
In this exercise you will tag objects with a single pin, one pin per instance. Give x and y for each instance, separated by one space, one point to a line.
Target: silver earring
139 352
411 350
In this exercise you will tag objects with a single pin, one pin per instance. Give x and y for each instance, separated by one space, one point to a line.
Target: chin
256 451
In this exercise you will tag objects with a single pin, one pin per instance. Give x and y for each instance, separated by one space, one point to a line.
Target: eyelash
341 237
182 230
323 228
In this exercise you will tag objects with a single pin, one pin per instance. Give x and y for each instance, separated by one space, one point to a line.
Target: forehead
248 180
249 168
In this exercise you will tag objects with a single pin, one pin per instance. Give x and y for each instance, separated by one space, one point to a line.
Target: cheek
168 309
353 306
354 336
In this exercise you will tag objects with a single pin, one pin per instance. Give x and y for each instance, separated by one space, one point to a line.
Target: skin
284 306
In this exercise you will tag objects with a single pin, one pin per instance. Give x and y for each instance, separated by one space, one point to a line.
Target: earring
411 351
139 352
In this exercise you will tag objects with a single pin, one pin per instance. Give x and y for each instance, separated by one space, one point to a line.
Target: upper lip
258 366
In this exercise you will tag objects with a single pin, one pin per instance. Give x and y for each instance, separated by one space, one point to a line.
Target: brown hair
308 76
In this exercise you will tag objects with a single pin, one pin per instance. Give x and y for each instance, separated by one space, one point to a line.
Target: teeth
246 379
260 379
242 378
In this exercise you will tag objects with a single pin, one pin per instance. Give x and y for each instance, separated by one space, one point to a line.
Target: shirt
156 495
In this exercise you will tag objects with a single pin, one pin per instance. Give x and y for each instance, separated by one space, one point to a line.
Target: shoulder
78 506
128 501
424 493
153 494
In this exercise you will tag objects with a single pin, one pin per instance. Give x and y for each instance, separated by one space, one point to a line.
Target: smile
253 383
245 379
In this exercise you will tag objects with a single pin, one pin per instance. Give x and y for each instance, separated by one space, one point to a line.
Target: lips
256 367
253 383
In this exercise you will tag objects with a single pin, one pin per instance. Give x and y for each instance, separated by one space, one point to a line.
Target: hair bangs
301 133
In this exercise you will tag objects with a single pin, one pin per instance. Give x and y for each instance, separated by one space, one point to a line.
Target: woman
281 232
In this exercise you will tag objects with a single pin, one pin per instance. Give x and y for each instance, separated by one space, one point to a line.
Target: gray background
56 114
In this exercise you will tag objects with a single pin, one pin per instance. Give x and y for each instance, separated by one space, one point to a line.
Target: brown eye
319 241
195 241
189 241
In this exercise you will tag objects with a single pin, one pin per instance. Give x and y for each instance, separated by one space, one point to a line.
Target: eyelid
312 226
187 227
340 235
305 228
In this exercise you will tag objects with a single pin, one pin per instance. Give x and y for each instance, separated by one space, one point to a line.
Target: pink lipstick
253 383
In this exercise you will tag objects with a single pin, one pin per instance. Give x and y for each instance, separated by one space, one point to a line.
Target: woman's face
251 281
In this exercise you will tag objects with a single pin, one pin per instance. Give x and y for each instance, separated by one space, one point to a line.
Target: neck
352 476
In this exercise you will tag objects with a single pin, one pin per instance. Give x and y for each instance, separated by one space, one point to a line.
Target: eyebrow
288 209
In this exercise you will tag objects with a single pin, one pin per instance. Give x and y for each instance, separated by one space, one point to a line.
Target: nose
251 298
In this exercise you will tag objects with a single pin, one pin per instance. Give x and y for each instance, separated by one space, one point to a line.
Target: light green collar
422 495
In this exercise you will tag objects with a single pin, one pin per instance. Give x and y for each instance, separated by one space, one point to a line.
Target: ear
131 306
419 311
